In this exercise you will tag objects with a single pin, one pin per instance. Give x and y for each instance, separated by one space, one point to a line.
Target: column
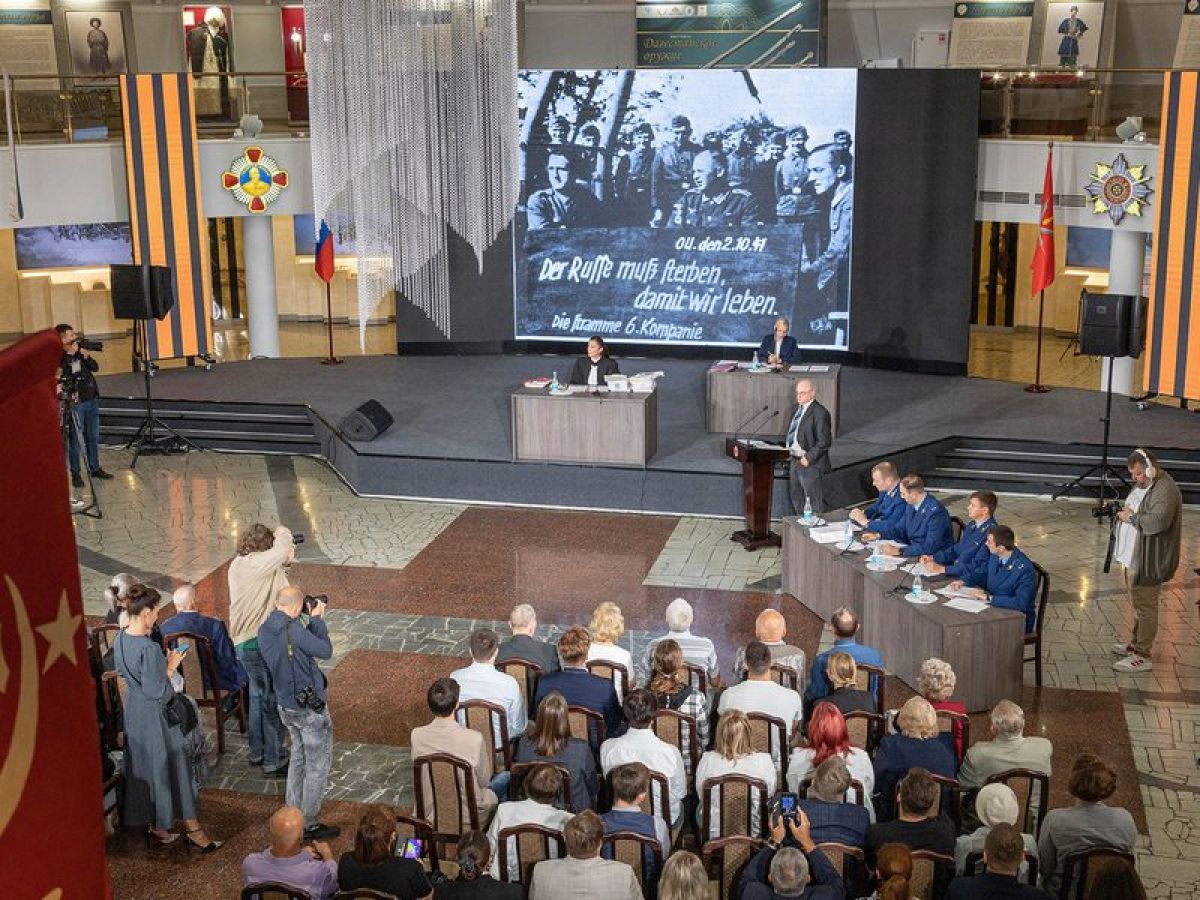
1124 277
262 307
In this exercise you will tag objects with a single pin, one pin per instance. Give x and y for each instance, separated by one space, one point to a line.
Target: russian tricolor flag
324 256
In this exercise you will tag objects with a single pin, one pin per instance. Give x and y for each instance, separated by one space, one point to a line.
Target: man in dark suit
578 686
832 819
925 528
809 437
779 348
1003 853
781 870
230 672
1009 581
523 645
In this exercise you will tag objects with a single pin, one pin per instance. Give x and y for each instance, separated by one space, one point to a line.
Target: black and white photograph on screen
97 41
1071 38
71 246
689 206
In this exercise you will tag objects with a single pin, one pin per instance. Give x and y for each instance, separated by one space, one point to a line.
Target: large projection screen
685 207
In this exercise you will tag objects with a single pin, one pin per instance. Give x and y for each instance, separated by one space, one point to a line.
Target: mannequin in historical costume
208 51
97 42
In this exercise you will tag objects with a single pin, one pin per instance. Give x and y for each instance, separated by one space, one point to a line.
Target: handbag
178 712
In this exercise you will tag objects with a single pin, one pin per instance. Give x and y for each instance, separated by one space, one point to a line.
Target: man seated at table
779 348
969 555
1009 581
925 527
888 510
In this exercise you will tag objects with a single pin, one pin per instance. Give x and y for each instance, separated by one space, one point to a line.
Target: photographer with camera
290 647
77 386
791 864
1149 529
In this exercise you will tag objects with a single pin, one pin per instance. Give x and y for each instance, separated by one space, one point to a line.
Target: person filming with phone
383 861
791 865
291 641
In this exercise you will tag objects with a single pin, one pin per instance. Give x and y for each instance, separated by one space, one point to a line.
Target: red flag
324 255
1043 256
49 738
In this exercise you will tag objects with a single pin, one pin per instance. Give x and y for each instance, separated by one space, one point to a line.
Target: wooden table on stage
985 649
613 428
734 397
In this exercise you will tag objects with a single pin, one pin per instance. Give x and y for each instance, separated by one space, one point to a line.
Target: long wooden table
733 398
985 649
612 428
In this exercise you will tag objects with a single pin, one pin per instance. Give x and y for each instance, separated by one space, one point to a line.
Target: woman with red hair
827 736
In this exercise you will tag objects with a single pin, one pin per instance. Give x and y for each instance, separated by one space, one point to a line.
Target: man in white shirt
759 694
697 650
541 787
483 681
640 744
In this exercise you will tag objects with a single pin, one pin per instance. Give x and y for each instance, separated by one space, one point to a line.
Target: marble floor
409 581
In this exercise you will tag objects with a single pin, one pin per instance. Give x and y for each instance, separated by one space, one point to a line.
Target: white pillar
262 306
1124 277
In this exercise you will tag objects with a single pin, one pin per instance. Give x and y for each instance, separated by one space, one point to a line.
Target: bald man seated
771 628
231 674
312 869
779 348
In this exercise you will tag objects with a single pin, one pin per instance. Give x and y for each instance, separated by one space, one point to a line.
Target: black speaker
367 422
1137 326
1105 325
129 297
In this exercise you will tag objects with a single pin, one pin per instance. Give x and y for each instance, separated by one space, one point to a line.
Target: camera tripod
71 431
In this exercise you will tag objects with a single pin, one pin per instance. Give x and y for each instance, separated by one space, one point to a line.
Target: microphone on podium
737 432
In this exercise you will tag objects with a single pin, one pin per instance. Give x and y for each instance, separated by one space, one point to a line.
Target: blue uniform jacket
1012 584
789 350
970 555
924 529
230 673
887 511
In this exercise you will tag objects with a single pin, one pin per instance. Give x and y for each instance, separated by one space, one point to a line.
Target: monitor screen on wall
685 206
73 246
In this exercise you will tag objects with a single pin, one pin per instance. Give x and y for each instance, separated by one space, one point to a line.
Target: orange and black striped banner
1172 328
162 166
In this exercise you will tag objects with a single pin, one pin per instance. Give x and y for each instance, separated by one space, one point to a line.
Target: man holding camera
78 381
290 647
1149 530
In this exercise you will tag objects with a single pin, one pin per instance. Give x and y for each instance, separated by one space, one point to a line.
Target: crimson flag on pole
1043 256
323 261
49 737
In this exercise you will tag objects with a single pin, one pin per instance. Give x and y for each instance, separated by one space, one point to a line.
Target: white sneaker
1122 649
1134 662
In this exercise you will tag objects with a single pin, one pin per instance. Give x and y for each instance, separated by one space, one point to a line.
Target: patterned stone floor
178 518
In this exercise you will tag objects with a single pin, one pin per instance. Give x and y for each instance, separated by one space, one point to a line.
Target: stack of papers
828 534
967 604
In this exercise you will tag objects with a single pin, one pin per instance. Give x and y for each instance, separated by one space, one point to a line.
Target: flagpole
1044 221
1037 387
330 360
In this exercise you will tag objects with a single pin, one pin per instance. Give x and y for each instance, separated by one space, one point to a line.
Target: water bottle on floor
916 588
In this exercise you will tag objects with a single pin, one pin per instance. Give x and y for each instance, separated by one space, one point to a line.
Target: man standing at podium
809 437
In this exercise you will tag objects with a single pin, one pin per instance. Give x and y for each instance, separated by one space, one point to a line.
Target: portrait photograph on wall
208 37
1071 38
96 38
685 206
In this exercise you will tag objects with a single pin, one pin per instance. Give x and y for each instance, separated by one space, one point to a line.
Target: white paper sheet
966 605
917 569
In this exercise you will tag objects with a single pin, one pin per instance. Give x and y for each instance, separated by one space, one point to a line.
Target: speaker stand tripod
1106 490
145 441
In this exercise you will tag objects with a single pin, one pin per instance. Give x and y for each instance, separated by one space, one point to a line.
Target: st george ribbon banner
681 285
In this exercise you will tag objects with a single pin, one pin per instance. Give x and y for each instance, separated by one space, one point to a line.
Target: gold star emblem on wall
60 634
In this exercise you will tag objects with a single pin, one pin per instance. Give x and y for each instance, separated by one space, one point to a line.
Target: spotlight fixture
1130 131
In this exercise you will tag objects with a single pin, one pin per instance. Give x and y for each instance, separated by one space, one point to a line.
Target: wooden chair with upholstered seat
526 673
587 725
641 853
445 792
948 720
770 734
612 671
1033 796
785 676
412 827
491 721
697 677
929 869
200 682
527 845
863 675
1077 870
851 864
1034 638
741 800
726 858
865 729
679 730
273 890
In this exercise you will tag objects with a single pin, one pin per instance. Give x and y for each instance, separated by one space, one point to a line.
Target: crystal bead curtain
412 105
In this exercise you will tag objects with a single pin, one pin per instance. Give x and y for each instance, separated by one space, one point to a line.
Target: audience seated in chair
831 818
842 673
771 628
1010 579
1110 878
584 875
445 735
541 787
579 686
995 804
916 826
230 672
798 870
550 741
760 694
733 755
893 873
473 881
1008 749
481 680
844 625
606 627
1003 854
669 684
936 681
641 744
523 644
1089 823
630 785
827 737
287 861
918 744
697 650
373 862
683 878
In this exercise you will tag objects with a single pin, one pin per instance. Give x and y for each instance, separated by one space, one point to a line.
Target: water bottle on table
554 385
808 510
754 361
916 586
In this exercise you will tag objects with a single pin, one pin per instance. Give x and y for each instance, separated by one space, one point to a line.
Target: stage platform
452 434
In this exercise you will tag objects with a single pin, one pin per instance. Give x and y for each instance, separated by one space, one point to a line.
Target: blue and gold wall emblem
255 180
1118 189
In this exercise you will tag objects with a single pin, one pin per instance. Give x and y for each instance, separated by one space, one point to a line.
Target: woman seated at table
592 369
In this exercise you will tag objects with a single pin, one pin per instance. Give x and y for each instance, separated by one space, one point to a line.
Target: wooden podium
758 484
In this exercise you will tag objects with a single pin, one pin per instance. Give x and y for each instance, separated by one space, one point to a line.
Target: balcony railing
1015 103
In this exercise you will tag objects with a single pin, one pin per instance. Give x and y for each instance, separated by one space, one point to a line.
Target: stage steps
1037 467
236 427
